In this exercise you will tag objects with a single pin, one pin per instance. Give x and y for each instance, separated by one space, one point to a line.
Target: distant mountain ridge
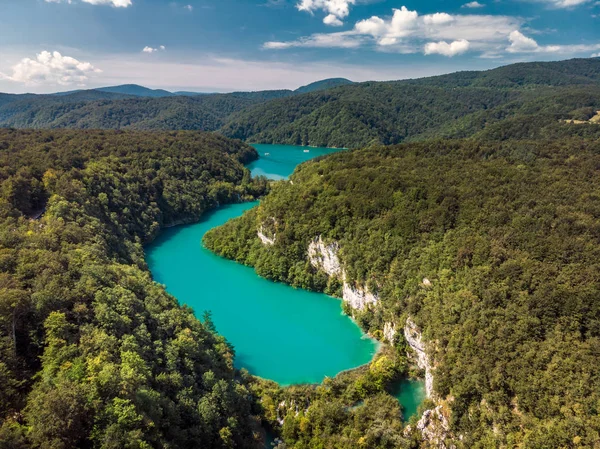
142 91
137 90
526 100
323 85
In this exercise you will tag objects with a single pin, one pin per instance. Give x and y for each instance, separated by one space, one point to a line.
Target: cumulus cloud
189 7
336 10
447 49
148 49
51 68
332 20
519 43
406 31
596 55
473 5
115 3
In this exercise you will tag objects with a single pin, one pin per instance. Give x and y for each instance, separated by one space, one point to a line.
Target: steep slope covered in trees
491 249
93 353
522 100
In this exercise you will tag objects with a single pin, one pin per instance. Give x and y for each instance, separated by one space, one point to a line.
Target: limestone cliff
267 232
358 297
435 429
390 332
413 337
325 257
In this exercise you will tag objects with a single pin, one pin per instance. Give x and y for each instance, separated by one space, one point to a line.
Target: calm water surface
410 393
279 333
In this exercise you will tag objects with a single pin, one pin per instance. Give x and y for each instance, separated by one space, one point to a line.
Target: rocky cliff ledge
325 256
413 337
267 232
435 429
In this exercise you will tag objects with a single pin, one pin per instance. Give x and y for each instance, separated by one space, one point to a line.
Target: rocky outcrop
263 238
389 332
267 232
413 337
325 257
435 429
359 298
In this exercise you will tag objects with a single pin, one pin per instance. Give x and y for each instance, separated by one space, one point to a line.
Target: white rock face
414 339
389 332
263 238
434 428
325 257
358 298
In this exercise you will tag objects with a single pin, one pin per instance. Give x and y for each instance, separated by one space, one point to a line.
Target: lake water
410 393
279 161
279 333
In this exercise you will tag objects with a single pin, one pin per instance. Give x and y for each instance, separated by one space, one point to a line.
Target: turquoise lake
410 393
279 333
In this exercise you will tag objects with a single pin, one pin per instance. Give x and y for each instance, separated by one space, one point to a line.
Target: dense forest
522 100
205 113
93 353
492 249
529 100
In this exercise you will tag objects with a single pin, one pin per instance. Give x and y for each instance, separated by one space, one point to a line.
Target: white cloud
336 10
148 49
51 68
563 3
440 33
328 40
446 49
438 18
332 20
473 5
596 55
519 43
189 7
115 3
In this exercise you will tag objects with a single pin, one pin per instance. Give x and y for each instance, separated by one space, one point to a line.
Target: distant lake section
279 161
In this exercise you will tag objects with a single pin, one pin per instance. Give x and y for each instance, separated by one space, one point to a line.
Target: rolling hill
528 100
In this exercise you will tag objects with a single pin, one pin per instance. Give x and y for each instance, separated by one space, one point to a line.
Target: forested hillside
529 100
206 112
492 249
521 100
93 353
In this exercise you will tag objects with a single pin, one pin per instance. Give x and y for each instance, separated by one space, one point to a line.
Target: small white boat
267 154
307 151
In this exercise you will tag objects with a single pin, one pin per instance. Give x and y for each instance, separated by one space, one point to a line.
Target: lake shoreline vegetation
493 199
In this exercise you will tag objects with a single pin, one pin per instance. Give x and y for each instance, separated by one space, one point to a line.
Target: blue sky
224 45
